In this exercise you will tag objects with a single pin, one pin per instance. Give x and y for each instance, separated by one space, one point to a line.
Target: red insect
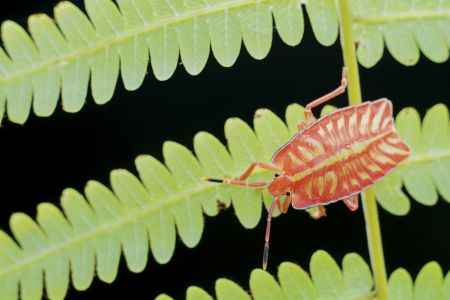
330 159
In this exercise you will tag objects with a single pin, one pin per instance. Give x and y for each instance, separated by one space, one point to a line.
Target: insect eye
288 194
277 174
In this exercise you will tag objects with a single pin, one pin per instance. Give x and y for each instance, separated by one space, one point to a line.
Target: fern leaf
195 293
163 297
357 274
138 215
324 21
227 289
226 36
446 287
426 172
407 27
400 285
54 61
125 34
327 276
295 283
429 284
256 23
120 36
288 17
264 286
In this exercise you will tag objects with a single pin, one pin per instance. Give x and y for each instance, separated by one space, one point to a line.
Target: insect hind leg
319 213
301 125
336 92
352 202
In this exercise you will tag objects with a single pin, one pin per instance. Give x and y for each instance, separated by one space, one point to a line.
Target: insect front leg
246 174
286 204
339 90
262 165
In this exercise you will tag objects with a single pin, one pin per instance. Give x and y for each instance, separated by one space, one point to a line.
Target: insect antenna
275 201
236 182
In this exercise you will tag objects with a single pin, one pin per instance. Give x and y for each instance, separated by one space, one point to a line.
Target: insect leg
246 174
352 202
301 125
262 165
236 182
286 204
341 89
321 212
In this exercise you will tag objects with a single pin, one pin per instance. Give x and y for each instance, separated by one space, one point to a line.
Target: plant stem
368 200
375 244
348 49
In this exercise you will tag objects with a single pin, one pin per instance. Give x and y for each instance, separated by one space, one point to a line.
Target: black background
46 155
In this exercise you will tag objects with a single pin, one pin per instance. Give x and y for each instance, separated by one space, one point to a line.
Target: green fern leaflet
60 59
427 171
138 215
327 281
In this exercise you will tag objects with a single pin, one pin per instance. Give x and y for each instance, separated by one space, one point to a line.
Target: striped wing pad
342 153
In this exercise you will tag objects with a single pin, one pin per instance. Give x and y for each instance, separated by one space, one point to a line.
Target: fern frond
59 60
407 27
89 233
327 281
138 215
429 284
426 173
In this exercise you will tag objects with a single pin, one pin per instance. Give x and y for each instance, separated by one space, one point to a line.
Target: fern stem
404 16
348 49
368 200
375 243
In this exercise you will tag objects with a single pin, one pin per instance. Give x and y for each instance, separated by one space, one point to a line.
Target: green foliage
427 171
429 284
91 231
407 27
328 281
400 285
141 215
123 35
59 60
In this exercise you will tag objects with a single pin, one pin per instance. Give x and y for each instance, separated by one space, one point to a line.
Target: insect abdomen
344 153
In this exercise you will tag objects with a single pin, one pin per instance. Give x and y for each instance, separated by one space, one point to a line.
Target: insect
332 158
